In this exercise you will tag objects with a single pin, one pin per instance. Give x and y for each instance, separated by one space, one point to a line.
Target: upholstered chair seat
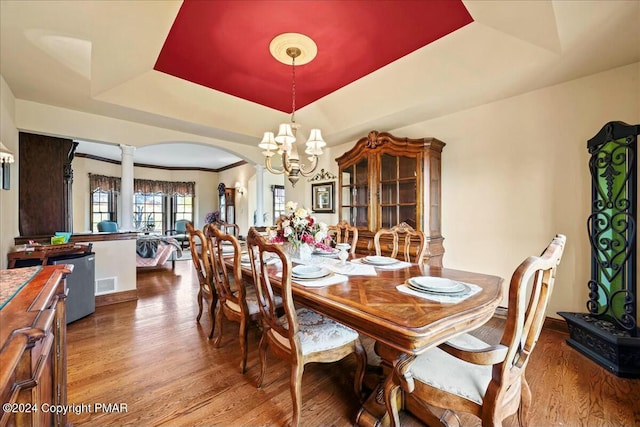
317 333
252 301
461 378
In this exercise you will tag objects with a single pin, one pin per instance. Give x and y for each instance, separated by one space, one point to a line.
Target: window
182 208
158 212
157 205
148 212
103 207
104 197
278 201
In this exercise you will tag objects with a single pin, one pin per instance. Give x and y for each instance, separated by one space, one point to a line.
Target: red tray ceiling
224 45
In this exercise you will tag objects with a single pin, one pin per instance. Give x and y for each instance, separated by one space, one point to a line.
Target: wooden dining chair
468 375
225 227
414 241
343 232
238 301
198 244
302 335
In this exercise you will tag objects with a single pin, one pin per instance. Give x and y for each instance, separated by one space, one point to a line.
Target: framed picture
322 197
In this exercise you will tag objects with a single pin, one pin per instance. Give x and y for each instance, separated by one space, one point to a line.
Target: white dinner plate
439 285
379 260
309 272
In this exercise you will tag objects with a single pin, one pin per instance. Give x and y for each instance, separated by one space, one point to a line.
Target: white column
259 195
126 187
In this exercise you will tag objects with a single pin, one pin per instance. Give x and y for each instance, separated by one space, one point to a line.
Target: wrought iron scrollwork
612 224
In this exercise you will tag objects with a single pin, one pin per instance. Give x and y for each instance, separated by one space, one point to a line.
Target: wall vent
106 285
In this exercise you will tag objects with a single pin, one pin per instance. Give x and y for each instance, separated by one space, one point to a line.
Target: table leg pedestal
374 413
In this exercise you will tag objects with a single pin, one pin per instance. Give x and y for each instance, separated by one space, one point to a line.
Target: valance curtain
145 186
104 183
148 186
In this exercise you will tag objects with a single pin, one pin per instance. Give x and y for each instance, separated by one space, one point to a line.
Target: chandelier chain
293 90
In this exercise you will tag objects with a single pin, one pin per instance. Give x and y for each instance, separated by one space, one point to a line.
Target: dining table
376 301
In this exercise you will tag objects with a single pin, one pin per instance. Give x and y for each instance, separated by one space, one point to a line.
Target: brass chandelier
284 143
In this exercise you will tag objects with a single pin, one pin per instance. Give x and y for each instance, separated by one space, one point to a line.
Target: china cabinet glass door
398 190
355 194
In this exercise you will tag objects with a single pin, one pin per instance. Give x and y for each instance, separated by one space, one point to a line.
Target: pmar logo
110 407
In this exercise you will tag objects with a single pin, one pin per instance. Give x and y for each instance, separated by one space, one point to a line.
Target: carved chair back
343 232
490 379
300 336
413 241
236 302
199 247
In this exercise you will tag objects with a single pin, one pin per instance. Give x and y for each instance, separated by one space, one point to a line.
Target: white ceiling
98 57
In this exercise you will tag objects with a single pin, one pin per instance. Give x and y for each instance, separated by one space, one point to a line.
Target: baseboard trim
558 325
116 297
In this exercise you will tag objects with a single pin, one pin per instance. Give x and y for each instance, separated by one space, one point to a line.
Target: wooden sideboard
33 346
42 253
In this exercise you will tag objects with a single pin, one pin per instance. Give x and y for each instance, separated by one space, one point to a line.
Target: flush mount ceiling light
292 48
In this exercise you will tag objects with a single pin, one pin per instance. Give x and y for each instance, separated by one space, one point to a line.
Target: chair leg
525 403
199 305
218 323
212 309
361 357
296 392
263 357
244 325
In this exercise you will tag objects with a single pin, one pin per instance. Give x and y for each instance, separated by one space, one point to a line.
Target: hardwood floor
152 356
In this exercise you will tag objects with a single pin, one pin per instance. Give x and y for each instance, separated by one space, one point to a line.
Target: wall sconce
6 156
239 188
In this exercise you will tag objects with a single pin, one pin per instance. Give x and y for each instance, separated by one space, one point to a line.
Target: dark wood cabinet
385 180
33 346
228 206
45 180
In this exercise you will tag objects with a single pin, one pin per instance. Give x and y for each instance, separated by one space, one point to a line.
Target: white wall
515 173
246 203
8 198
49 120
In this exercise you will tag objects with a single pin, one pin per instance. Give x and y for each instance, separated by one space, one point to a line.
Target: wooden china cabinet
386 180
227 204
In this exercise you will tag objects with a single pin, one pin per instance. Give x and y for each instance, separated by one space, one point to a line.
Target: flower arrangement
298 226
212 217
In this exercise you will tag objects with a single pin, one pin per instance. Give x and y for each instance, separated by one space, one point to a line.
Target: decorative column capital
127 149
